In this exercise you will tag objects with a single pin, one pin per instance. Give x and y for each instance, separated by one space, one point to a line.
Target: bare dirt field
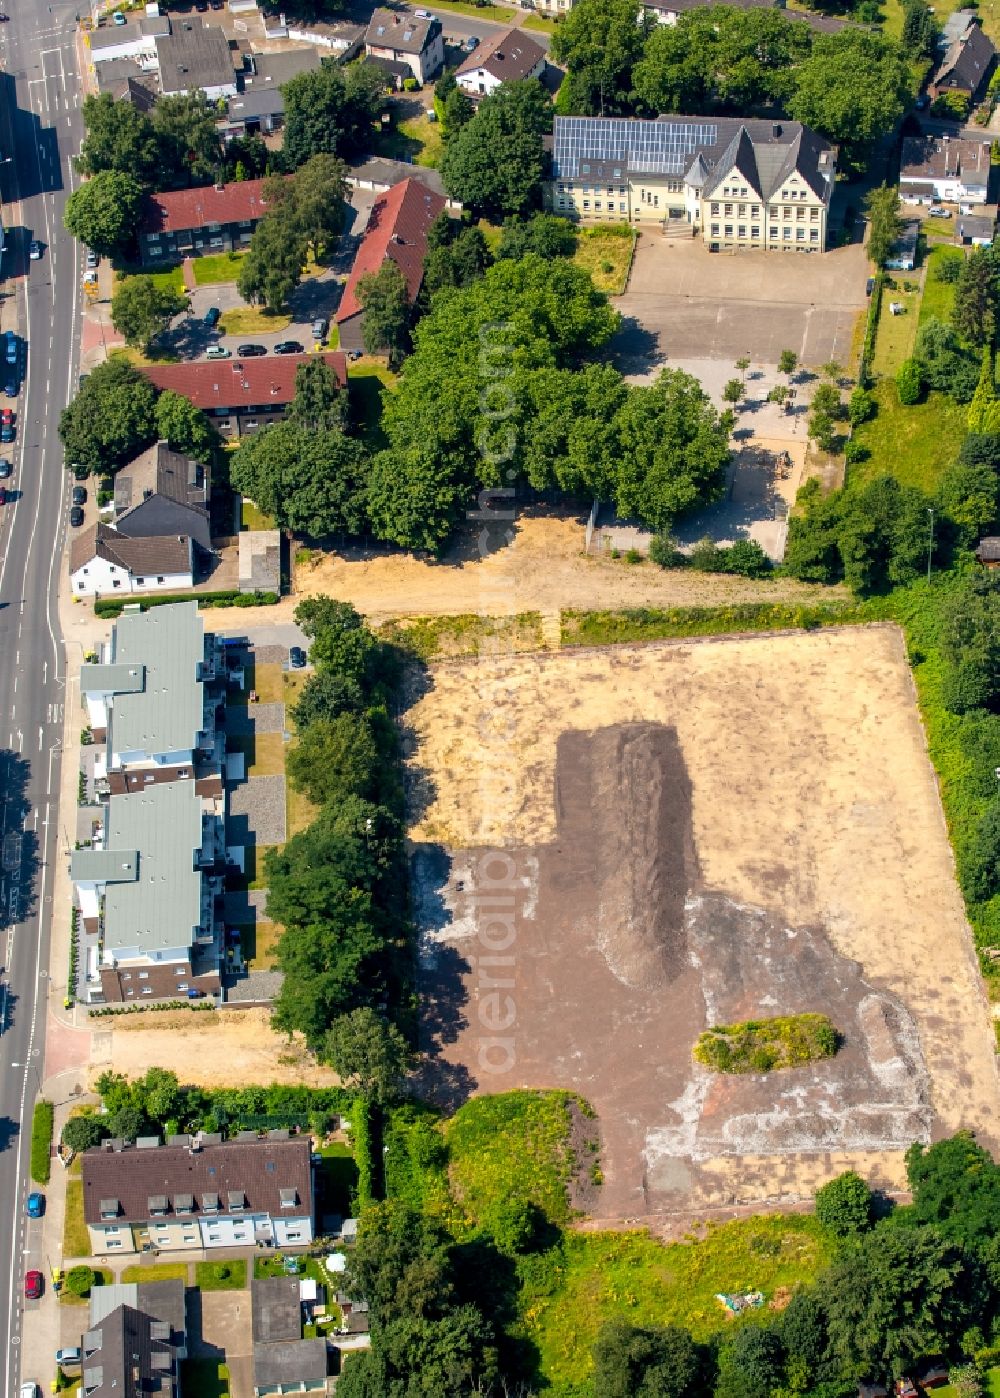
546 570
217 1049
617 848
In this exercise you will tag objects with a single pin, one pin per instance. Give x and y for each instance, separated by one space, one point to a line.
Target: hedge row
42 1121
871 329
364 1157
113 606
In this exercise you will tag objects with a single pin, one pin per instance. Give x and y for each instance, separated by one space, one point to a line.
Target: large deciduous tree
675 449
368 1053
852 89
111 419
185 427
104 212
494 163
974 312
386 303
882 208
118 137
186 126
310 481
141 310
599 42
635 1361
329 111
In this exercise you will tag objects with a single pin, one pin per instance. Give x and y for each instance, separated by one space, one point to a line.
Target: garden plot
616 849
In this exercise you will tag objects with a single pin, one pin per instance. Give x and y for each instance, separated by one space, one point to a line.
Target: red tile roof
239 383
193 208
397 228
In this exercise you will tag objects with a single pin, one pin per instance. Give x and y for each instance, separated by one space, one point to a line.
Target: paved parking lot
684 302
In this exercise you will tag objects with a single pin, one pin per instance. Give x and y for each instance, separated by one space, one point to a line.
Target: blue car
36 1205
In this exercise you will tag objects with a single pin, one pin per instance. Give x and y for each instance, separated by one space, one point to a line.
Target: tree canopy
369 1053
104 212
312 481
111 419
494 162
141 309
386 302
634 1361
329 111
599 42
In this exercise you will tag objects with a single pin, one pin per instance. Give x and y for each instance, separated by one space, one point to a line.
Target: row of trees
851 86
905 1285
118 413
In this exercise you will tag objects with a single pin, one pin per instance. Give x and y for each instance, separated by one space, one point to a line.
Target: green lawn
76 1239
103 1276
367 382
157 1271
204 1378
939 296
896 334
170 279
499 14
542 22
217 267
258 941
253 320
913 444
597 1276
308 1267
427 135
606 257
205 1275
252 518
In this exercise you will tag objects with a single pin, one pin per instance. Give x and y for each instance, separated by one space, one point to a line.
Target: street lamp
930 542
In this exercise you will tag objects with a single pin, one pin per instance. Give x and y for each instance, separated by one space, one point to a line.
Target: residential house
555 8
161 493
165 1301
414 39
903 253
940 169
260 106
976 230
103 561
191 222
284 1362
988 551
134 39
669 11
343 40
260 560
380 174
199 1192
738 184
240 395
393 74
130 1353
147 889
966 66
397 231
195 56
127 81
508 57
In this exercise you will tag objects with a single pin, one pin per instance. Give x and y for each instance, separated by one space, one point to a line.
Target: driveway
684 302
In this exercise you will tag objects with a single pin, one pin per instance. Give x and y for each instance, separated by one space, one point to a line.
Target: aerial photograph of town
500 699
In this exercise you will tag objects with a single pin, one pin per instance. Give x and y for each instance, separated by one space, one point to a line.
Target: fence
591 524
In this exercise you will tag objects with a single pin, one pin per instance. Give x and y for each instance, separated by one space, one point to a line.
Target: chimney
776 129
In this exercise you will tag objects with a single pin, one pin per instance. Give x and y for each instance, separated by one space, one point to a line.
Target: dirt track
692 833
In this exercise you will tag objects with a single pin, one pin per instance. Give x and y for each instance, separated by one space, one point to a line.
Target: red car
34 1285
7 416
3 495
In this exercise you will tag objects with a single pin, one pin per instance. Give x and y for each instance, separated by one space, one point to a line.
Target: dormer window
210 1203
110 1208
236 1200
158 1204
289 1198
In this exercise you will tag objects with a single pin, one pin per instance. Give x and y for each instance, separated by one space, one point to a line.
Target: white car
218 352
29 1390
940 213
92 260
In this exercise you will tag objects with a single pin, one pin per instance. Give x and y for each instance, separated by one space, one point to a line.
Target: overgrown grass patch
896 334
230 1275
258 942
514 1146
914 444
606 253
217 268
593 1277
41 1141
763 1045
368 380
76 1239
939 296
156 1271
655 624
443 637
253 320
428 136
252 518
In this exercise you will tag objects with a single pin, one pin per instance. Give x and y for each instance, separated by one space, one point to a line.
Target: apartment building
952 170
240 395
198 1192
192 222
414 39
736 184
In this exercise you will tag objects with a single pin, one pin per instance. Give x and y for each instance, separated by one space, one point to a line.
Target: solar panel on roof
658 147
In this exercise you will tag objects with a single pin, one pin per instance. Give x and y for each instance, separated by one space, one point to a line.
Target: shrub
361 1143
861 406
665 553
845 1205
112 606
83 1132
948 270
221 1272
761 1045
80 1280
41 1141
910 382
855 453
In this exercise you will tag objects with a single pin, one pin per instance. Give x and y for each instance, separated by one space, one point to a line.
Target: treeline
907 1287
158 1104
851 86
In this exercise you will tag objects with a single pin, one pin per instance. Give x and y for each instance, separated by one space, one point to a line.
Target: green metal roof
112 679
169 712
163 906
104 866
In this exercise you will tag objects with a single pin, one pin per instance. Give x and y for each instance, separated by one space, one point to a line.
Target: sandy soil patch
546 570
688 834
218 1049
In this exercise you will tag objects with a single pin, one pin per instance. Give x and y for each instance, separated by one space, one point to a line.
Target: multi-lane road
39 129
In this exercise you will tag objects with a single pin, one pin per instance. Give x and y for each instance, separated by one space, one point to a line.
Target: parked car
218 352
71 1355
7 415
79 496
869 286
29 1389
213 315
3 495
11 387
471 44
34 250
35 1206
940 213
6 469
76 516
250 351
6 431
319 328
118 18
34 1284
10 347
83 379
289 347
296 657
92 260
